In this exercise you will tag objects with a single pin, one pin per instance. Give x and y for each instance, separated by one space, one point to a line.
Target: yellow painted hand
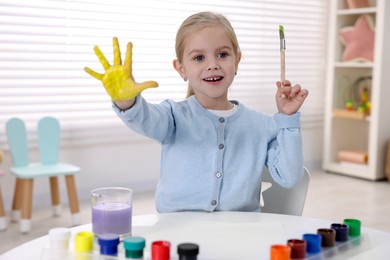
118 79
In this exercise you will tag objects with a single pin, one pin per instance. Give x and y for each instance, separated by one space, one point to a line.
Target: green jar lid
354 226
134 246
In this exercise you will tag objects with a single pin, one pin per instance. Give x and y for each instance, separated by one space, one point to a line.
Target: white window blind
44 46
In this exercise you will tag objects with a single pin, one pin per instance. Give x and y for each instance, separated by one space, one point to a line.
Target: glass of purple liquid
112 211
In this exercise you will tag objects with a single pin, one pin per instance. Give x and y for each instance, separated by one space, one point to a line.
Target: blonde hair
197 22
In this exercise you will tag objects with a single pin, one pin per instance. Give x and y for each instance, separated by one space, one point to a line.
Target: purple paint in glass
112 211
111 217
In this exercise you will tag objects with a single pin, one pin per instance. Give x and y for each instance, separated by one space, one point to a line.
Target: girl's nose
214 66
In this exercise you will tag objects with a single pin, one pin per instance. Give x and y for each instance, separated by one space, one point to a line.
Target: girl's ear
179 68
238 59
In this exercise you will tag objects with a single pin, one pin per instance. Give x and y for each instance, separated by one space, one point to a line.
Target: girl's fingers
283 91
286 83
94 73
101 58
128 59
117 52
286 90
295 90
147 84
304 93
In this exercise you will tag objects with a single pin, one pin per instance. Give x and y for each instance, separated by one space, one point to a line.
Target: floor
330 196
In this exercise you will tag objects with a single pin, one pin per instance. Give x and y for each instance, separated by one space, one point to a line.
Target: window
45 45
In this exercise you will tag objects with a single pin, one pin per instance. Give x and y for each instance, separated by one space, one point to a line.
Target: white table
226 235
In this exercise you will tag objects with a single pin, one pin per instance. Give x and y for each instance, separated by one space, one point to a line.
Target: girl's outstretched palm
118 79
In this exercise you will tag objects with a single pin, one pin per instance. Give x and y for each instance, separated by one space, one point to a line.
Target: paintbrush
282 54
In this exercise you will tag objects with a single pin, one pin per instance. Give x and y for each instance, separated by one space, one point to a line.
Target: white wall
133 164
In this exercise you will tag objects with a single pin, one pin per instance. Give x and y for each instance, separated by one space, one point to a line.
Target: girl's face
209 63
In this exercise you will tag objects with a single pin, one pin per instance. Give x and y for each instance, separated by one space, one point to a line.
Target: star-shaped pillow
359 40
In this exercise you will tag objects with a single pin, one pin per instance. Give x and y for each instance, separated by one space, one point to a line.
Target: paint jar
59 238
280 252
298 248
354 226
108 244
328 237
188 251
134 247
313 243
161 250
112 211
341 231
83 245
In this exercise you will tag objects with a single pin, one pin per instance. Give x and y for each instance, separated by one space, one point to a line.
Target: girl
213 149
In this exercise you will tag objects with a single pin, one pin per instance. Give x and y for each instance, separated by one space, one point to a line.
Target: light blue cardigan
211 163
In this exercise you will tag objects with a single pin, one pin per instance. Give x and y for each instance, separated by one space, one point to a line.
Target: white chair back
281 200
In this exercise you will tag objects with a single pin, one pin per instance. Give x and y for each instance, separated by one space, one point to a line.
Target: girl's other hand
118 79
289 98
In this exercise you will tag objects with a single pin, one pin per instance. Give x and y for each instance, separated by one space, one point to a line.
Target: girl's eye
199 58
222 55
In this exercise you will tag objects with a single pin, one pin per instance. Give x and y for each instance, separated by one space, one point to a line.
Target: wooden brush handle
282 65
1 156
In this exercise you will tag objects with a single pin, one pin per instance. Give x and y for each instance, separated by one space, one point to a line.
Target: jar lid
188 249
108 240
298 248
341 231
59 233
134 243
279 251
84 241
354 226
134 247
161 250
313 243
108 244
328 236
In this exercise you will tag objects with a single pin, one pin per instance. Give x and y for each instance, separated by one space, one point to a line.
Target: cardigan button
213 202
221 120
221 146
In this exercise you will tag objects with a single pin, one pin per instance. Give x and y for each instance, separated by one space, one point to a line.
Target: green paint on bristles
281 31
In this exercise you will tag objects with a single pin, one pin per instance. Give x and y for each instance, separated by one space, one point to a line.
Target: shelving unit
351 130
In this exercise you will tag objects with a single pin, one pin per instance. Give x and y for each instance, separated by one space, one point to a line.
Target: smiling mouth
213 79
